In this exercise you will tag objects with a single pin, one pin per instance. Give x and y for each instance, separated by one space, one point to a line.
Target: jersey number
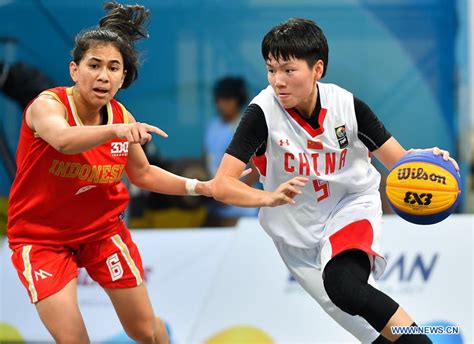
115 268
321 186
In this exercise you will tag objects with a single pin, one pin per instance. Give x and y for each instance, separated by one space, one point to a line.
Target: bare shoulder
42 107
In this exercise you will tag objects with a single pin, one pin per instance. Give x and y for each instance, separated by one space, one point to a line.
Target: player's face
99 75
294 82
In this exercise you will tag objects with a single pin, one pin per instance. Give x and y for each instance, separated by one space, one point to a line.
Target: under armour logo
42 274
284 142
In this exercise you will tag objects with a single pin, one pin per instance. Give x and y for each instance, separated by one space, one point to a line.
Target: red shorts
112 262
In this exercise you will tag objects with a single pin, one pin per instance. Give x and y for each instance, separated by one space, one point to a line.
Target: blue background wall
398 56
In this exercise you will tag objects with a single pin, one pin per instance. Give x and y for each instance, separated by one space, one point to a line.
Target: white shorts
355 224
303 265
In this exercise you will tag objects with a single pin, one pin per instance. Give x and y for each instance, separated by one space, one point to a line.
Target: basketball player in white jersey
313 140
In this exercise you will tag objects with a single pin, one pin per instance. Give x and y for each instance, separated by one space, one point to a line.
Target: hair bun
128 21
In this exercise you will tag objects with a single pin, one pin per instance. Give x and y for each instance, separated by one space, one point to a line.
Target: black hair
231 87
297 38
121 26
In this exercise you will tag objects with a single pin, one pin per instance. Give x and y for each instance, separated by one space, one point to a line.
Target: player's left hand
437 151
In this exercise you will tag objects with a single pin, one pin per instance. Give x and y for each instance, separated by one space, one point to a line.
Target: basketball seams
456 190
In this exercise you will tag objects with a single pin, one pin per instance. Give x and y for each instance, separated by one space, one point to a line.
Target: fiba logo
119 148
341 131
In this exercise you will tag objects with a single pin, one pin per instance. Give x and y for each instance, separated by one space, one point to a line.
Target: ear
73 70
318 69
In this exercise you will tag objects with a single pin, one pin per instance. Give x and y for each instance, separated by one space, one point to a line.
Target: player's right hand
286 192
137 132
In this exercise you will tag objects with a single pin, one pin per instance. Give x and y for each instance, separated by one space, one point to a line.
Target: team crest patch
342 136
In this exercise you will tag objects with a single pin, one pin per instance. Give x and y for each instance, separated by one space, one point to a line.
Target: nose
280 80
103 75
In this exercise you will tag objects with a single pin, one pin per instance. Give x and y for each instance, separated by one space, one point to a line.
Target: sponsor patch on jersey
119 148
342 136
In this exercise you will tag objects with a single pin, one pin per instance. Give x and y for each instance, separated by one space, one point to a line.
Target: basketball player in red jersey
320 136
67 201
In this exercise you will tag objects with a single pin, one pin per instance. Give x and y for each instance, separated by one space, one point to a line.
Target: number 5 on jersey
321 186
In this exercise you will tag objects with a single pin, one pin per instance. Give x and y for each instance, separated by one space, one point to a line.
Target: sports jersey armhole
125 113
55 97
353 108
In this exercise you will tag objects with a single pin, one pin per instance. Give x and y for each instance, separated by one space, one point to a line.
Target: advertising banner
216 286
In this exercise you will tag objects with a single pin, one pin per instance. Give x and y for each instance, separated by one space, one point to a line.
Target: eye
94 66
114 69
289 71
271 71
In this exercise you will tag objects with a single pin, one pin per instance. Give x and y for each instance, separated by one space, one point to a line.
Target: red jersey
67 199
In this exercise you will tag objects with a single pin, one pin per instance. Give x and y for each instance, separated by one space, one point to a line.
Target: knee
344 290
142 331
142 335
71 337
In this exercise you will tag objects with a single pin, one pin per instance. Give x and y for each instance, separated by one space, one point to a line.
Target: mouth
283 95
100 91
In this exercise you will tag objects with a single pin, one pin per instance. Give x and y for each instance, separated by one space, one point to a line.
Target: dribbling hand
138 132
437 151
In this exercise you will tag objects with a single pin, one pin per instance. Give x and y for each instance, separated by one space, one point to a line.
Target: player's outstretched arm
227 187
155 179
47 118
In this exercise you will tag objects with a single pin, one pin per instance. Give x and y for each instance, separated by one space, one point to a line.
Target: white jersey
336 162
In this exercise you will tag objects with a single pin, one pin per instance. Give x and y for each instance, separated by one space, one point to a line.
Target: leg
61 316
300 262
120 272
312 282
345 281
135 312
49 274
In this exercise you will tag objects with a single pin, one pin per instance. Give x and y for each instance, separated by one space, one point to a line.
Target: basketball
423 188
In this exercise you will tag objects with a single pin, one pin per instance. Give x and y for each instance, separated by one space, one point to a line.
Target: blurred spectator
230 95
20 82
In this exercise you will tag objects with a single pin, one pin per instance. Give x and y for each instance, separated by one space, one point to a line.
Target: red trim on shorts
356 235
260 163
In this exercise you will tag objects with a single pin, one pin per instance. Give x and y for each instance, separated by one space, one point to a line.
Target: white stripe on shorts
27 272
117 240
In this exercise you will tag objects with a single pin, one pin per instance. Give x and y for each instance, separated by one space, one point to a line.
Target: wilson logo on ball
419 173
